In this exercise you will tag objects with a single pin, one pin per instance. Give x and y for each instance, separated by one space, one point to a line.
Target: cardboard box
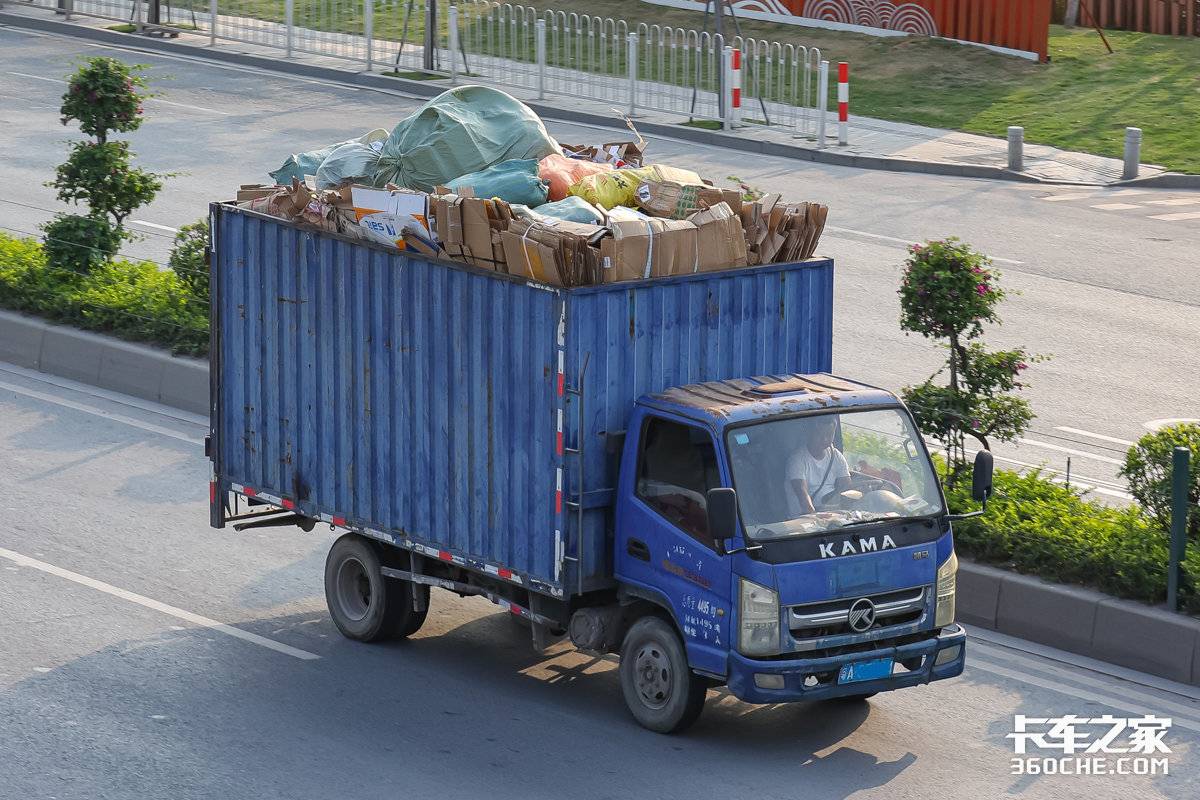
469 229
721 244
254 191
650 248
618 154
555 251
385 215
677 200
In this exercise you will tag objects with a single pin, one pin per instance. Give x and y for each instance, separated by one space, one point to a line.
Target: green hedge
1045 529
130 299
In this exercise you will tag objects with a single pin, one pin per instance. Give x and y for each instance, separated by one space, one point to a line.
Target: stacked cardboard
681 224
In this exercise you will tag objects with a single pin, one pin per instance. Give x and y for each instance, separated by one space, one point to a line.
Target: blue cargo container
441 403
600 460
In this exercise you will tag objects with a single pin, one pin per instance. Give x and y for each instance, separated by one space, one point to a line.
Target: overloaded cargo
474 177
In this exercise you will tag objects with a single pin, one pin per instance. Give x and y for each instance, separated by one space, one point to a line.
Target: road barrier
843 103
640 67
1133 152
1016 163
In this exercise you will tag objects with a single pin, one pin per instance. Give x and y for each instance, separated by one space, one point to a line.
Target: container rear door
405 396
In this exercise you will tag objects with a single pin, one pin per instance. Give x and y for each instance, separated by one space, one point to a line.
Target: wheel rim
353 590
652 675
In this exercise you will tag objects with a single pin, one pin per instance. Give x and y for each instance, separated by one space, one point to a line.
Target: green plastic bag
513 181
298 165
463 130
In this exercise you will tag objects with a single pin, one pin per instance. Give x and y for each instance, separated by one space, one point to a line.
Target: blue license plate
865 670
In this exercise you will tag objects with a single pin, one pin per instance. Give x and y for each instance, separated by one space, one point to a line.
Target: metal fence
642 67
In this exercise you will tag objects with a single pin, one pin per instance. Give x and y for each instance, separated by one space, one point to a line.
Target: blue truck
661 469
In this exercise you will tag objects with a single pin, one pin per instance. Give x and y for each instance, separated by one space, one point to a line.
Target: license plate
865 670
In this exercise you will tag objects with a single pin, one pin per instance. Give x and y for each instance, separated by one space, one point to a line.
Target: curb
1069 618
1165 180
133 369
424 89
1081 621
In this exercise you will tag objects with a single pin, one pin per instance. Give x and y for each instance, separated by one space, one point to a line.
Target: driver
817 469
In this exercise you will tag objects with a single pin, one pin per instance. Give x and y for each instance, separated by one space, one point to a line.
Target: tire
659 688
364 605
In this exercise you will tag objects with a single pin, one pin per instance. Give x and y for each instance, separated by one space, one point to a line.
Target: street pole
431 35
1180 474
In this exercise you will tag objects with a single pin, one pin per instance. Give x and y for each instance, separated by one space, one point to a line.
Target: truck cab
794 532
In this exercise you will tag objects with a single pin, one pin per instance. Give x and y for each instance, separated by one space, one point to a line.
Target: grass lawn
1082 100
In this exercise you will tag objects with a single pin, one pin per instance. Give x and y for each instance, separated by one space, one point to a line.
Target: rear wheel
365 605
659 687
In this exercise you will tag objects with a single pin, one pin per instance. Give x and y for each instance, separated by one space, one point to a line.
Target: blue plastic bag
298 165
514 181
573 209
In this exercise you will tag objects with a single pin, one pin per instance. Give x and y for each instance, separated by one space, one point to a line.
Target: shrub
76 244
133 300
1045 529
1148 469
103 96
189 258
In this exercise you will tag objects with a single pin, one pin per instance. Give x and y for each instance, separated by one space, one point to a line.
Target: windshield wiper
856 522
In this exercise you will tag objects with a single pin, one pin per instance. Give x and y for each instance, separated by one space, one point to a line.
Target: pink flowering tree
104 96
947 294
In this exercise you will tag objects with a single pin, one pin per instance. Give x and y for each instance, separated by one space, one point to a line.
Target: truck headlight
947 583
758 620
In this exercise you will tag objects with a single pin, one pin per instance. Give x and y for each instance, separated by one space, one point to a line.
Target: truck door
663 542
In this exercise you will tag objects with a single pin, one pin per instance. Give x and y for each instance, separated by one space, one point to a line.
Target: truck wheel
659 687
365 605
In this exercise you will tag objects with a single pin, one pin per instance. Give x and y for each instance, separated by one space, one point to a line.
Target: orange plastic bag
561 172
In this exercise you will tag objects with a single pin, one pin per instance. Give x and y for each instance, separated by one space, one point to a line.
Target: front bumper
794 672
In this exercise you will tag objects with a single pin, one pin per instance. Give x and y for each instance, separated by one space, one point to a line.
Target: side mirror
981 477
722 514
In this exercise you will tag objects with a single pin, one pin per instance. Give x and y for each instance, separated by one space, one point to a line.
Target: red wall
1019 24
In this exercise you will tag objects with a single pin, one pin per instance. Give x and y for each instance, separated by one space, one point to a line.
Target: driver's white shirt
802 466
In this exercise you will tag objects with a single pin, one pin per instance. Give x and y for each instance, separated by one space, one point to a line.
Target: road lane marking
1055 198
1117 703
149 427
1072 451
1175 201
146 602
994 660
908 242
1100 436
150 99
1180 215
1116 206
154 225
1159 424
1127 192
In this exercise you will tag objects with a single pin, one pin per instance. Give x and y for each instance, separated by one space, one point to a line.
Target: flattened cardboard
721 243
650 248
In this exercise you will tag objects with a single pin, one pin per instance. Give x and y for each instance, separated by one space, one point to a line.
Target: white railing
645 67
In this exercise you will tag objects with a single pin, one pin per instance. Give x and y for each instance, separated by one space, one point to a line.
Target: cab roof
724 403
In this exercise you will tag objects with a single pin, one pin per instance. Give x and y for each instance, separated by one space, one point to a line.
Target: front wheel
365 605
659 687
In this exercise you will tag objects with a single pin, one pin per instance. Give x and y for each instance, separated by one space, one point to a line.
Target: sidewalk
874 143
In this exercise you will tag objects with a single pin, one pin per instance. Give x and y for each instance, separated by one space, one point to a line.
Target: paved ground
869 137
106 693
1106 278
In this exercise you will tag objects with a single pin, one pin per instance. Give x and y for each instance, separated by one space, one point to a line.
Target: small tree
1148 466
947 293
102 96
189 258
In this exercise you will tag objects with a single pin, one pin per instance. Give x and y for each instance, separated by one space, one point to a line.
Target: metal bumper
794 672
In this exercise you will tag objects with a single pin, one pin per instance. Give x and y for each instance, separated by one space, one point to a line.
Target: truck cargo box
448 408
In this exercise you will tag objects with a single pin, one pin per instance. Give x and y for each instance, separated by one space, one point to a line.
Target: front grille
831 618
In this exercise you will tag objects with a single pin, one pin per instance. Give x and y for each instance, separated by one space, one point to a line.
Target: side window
677 467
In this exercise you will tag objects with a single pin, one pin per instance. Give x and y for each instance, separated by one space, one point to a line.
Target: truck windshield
817 473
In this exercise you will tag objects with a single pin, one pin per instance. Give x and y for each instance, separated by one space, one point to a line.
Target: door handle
637 548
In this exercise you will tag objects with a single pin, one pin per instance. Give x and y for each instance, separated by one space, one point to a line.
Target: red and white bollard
843 103
733 87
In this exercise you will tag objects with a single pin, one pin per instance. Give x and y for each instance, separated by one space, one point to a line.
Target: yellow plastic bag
619 187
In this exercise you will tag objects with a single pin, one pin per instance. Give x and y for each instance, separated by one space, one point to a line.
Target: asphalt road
1099 282
116 680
